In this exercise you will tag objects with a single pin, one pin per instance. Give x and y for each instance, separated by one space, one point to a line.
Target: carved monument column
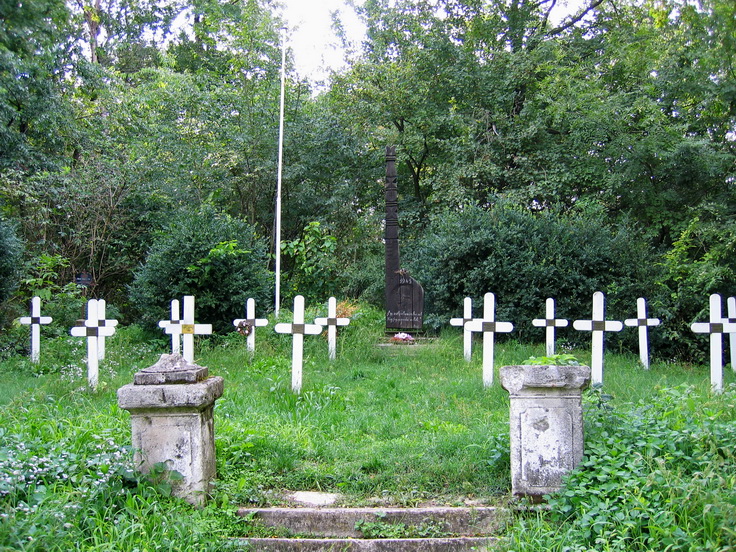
404 295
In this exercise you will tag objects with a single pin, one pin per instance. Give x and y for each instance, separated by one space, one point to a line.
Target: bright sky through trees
314 42
312 38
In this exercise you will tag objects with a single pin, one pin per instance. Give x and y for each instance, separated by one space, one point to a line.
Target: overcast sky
311 37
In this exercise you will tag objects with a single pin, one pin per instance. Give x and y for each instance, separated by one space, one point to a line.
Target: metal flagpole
277 246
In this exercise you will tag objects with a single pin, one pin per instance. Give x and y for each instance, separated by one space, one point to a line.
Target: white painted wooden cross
247 326
102 322
597 326
716 327
187 329
643 323
298 329
332 322
462 322
488 327
731 310
550 323
93 328
175 321
35 321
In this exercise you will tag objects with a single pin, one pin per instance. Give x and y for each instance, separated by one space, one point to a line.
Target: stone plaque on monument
404 295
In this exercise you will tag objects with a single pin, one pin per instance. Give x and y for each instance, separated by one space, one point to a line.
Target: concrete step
345 522
449 544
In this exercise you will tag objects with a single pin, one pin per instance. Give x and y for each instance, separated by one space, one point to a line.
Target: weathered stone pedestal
546 418
171 406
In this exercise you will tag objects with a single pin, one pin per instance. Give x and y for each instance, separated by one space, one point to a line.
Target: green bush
525 257
702 261
214 257
658 477
314 265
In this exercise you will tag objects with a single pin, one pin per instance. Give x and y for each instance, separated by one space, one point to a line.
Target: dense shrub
214 257
525 257
314 265
702 261
658 477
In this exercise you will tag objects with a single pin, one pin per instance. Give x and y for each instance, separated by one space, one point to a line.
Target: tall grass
399 425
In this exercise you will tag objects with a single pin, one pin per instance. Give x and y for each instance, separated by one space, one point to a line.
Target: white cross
462 322
174 322
93 329
188 329
298 329
488 327
102 322
716 327
35 321
247 326
643 323
731 302
598 326
550 323
332 322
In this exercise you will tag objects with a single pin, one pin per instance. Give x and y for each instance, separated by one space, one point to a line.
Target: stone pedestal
171 406
546 419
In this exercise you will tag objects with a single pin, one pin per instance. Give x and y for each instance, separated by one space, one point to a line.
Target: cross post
462 322
716 327
643 323
598 325
332 322
298 329
488 327
550 323
35 321
174 322
92 330
102 322
731 309
247 326
188 329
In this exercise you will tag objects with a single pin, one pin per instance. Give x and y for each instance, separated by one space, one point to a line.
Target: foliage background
621 113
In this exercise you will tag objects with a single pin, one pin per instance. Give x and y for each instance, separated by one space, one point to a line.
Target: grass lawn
381 425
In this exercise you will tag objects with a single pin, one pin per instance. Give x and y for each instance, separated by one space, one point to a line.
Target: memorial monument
404 295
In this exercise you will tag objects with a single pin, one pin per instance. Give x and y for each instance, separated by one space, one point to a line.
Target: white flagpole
277 246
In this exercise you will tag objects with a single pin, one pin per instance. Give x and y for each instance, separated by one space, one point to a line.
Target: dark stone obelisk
404 295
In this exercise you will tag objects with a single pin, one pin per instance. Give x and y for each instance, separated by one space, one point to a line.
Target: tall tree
114 30
34 60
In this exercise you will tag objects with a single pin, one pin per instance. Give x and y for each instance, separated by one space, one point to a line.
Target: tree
115 30
34 114
11 251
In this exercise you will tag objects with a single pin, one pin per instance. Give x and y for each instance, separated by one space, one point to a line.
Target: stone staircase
433 529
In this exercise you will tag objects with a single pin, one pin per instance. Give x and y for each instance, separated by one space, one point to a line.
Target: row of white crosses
598 325
183 329
186 329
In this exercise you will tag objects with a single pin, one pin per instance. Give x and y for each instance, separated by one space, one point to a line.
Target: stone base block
546 425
